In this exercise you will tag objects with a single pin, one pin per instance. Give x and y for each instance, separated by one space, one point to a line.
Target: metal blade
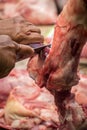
37 48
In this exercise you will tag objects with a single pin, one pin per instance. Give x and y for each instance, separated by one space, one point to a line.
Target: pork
26 105
59 71
8 83
34 66
32 108
35 63
72 110
80 90
60 67
31 10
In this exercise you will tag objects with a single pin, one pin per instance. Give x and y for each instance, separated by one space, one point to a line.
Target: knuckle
39 30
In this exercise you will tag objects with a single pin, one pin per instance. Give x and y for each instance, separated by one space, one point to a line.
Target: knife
38 47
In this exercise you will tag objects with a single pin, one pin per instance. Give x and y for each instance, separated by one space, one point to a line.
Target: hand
9 50
21 30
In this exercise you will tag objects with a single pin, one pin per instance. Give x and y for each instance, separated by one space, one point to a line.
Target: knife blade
38 47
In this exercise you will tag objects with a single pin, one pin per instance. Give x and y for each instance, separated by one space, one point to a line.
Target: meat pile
23 105
31 10
71 104
34 107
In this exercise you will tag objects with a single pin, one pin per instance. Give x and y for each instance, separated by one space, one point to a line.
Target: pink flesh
31 97
59 71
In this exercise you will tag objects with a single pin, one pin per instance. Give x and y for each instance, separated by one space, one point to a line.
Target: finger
32 38
30 28
24 51
5 39
33 29
6 66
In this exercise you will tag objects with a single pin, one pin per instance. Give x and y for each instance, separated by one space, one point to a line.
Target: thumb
23 51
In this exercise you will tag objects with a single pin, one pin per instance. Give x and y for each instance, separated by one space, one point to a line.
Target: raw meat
28 107
59 71
36 62
80 90
10 10
8 83
60 67
34 66
32 10
33 108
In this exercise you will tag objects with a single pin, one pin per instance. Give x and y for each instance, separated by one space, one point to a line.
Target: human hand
21 30
9 51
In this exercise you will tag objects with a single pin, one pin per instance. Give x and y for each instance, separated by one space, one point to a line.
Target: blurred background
39 12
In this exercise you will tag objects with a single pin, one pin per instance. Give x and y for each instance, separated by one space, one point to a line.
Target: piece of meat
10 10
72 114
38 111
36 62
80 90
5 88
59 71
32 107
72 106
28 106
34 66
9 82
31 10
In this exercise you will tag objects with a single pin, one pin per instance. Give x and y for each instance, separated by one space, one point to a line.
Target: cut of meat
31 10
59 71
10 10
33 108
60 67
34 66
8 83
73 106
80 91
28 106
